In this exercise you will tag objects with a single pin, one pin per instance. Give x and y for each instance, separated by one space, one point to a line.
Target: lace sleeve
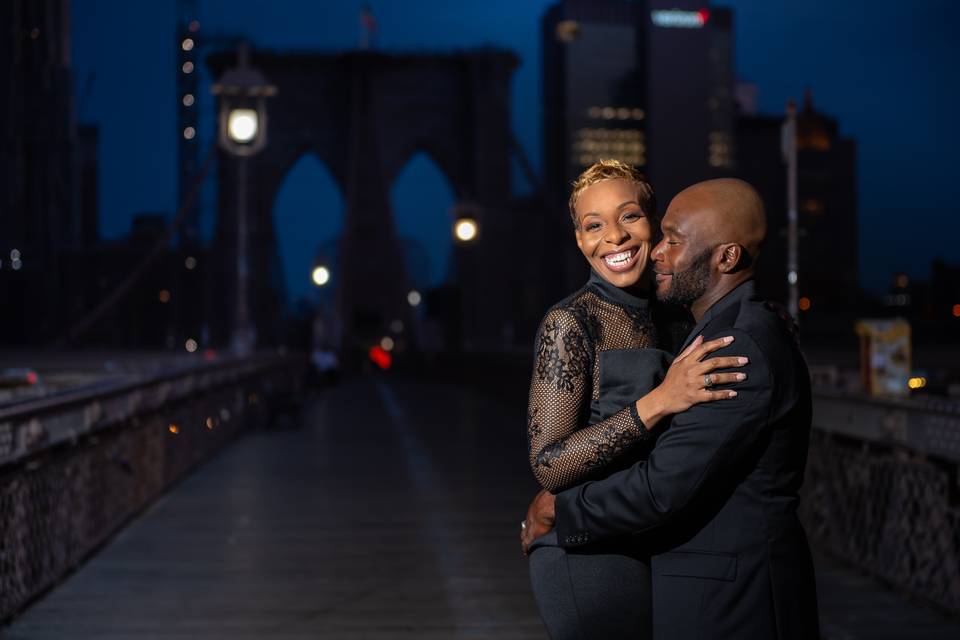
561 448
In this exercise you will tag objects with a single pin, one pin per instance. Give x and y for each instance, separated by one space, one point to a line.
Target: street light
320 275
465 230
243 93
466 225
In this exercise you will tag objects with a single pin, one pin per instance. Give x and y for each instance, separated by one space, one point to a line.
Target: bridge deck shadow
390 510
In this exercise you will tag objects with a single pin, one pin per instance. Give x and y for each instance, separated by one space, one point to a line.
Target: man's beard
691 283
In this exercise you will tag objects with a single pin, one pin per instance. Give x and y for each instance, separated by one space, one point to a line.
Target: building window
591 144
813 206
720 150
615 113
567 30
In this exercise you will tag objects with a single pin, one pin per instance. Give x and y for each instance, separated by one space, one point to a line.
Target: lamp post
243 132
789 143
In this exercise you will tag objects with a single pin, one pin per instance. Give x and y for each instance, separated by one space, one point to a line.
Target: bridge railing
77 466
881 490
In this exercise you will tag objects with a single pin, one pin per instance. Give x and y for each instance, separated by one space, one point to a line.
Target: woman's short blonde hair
613 170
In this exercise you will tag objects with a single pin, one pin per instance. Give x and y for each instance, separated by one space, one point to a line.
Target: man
716 500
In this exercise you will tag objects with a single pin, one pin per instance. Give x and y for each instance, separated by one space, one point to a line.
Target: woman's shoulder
572 309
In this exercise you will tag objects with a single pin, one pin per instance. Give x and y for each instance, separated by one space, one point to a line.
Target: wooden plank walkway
391 511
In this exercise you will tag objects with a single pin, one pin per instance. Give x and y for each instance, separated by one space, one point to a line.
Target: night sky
884 69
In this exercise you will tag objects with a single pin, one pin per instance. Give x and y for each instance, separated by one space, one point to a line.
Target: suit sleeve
702 444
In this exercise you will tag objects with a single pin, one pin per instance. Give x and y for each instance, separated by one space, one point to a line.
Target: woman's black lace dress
597 352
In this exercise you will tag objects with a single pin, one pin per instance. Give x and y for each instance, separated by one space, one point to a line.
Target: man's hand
540 519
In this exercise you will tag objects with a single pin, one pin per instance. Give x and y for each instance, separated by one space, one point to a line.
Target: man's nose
657 254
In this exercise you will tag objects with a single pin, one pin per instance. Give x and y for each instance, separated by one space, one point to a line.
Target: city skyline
897 111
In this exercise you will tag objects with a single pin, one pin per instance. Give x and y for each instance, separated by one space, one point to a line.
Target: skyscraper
38 180
647 82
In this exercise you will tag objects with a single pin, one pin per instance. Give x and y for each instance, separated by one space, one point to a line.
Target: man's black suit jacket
716 500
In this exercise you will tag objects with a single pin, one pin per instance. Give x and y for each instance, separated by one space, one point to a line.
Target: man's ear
731 256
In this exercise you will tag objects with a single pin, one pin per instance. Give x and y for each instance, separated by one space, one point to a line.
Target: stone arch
300 233
364 114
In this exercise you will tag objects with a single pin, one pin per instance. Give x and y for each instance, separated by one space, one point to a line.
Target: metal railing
881 491
77 466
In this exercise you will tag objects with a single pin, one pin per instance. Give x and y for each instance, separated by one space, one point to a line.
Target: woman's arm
562 451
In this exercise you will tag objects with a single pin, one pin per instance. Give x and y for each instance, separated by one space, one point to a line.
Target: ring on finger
707 380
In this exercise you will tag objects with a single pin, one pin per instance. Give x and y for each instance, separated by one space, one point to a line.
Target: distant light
804 304
242 125
190 263
190 345
380 357
187 44
792 277
164 296
209 354
956 311
194 26
414 298
638 114
679 19
397 325
174 429
903 281
187 67
917 383
189 133
34 33
386 343
609 113
14 254
32 377
320 276
16 264
210 422
465 229
188 100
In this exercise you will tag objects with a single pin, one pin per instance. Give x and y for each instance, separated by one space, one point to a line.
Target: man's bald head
713 231
726 210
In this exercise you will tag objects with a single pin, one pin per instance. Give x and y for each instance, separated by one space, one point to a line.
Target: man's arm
703 443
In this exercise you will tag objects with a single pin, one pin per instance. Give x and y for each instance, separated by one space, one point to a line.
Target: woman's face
613 232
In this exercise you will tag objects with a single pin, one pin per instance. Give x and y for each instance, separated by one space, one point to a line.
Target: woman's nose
616 235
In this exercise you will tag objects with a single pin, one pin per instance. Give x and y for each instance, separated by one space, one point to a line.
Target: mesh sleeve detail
562 450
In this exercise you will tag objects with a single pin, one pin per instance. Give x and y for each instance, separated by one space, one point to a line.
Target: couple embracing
668 424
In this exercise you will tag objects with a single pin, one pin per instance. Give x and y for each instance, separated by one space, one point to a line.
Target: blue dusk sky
884 69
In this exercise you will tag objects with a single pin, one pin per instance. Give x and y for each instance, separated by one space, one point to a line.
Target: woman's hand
690 379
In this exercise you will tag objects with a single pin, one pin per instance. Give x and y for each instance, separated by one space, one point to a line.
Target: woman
602 381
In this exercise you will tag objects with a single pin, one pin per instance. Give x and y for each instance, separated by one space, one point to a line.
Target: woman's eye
633 215
592 226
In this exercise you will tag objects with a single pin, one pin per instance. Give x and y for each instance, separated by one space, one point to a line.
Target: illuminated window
592 144
812 206
720 150
567 30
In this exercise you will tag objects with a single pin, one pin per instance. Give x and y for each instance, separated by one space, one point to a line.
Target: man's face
614 232
681 260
